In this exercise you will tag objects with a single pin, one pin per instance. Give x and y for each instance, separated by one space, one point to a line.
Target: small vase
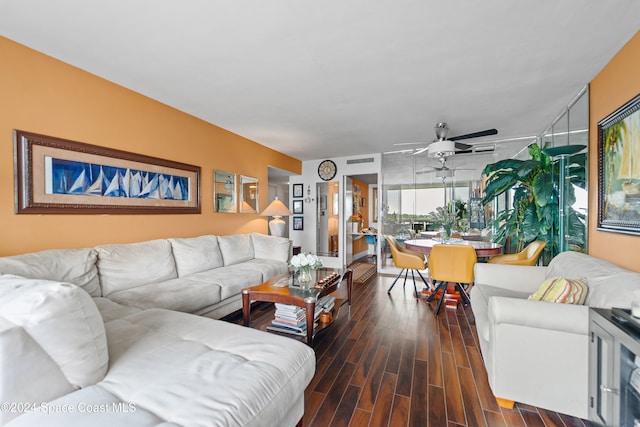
445 235
304 278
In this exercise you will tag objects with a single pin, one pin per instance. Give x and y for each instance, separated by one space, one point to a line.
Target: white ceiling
331 78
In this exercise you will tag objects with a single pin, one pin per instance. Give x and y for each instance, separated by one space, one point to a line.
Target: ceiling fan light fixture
444 148
444 173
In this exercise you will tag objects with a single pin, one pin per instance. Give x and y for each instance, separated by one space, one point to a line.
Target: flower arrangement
303 264
445 217
305 260
356 217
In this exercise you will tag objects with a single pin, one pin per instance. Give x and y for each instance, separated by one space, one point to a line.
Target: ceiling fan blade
463 147
474 135
421 150
411 143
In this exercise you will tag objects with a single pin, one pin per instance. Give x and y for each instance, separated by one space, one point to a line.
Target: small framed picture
298 223
298 207
364 202
297 190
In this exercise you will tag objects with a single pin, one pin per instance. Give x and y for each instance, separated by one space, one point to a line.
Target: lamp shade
276 208
442 148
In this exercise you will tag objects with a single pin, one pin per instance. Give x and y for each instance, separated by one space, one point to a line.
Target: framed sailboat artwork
619 170
55 175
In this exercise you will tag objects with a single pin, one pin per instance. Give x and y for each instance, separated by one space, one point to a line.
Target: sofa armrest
520 278
568 318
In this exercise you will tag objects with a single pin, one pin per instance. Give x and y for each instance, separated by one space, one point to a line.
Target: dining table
482 248
465 236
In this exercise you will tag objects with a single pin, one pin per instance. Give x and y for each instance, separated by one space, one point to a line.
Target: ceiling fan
441 171
443 147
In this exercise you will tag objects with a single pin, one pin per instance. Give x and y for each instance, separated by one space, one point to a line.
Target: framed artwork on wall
619 170
298 223
297 190
298 207
59 176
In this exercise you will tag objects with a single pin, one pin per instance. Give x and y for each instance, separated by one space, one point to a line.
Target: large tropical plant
534 213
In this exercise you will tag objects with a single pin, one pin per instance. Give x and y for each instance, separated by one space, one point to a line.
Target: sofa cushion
271 247
231 280
561 290
180 294
620 293
77 266
190 370
267 267
29 375
63 320
111 310
235 248
609 285
135 264
176 369
196 254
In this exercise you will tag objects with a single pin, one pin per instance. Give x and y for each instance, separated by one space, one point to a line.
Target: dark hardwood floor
388 361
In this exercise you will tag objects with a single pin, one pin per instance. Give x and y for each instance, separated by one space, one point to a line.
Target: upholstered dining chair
406 260
528 256
451 263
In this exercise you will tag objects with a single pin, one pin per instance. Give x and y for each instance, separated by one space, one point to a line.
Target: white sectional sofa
100 337
536 352
201 275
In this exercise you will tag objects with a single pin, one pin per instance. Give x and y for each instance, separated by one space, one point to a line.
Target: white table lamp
277 210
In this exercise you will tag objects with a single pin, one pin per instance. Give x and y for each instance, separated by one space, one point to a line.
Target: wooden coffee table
283 289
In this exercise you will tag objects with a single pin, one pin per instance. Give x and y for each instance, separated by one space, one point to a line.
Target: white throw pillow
236 248
196 254
271 247
129 265
63 320
77 266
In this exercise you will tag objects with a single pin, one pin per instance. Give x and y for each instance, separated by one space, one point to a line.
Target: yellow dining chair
528 256
451 263
406 260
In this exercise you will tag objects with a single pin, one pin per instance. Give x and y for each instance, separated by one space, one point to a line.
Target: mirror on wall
224 184
248 194
328 215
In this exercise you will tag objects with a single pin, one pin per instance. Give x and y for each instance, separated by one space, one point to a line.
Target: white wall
307 237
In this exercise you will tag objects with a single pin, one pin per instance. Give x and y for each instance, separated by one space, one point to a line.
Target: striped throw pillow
559 289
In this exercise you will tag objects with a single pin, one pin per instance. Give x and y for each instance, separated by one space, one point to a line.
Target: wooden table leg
310 308
246 309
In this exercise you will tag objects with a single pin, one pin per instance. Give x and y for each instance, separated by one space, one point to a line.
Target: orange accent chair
528 256
451 263
406 260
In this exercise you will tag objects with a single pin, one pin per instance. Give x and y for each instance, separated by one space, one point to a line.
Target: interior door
348 211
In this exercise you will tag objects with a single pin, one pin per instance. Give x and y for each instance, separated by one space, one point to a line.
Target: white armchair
536 352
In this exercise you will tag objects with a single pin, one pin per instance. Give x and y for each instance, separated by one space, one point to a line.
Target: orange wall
46 96
616 84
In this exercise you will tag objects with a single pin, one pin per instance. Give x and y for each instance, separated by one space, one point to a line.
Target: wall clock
327 170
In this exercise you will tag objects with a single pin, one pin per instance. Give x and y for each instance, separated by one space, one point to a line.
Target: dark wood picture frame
618 175
298 190
51 178
298 223
298 207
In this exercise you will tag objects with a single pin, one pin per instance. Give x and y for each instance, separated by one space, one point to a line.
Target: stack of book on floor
291 319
